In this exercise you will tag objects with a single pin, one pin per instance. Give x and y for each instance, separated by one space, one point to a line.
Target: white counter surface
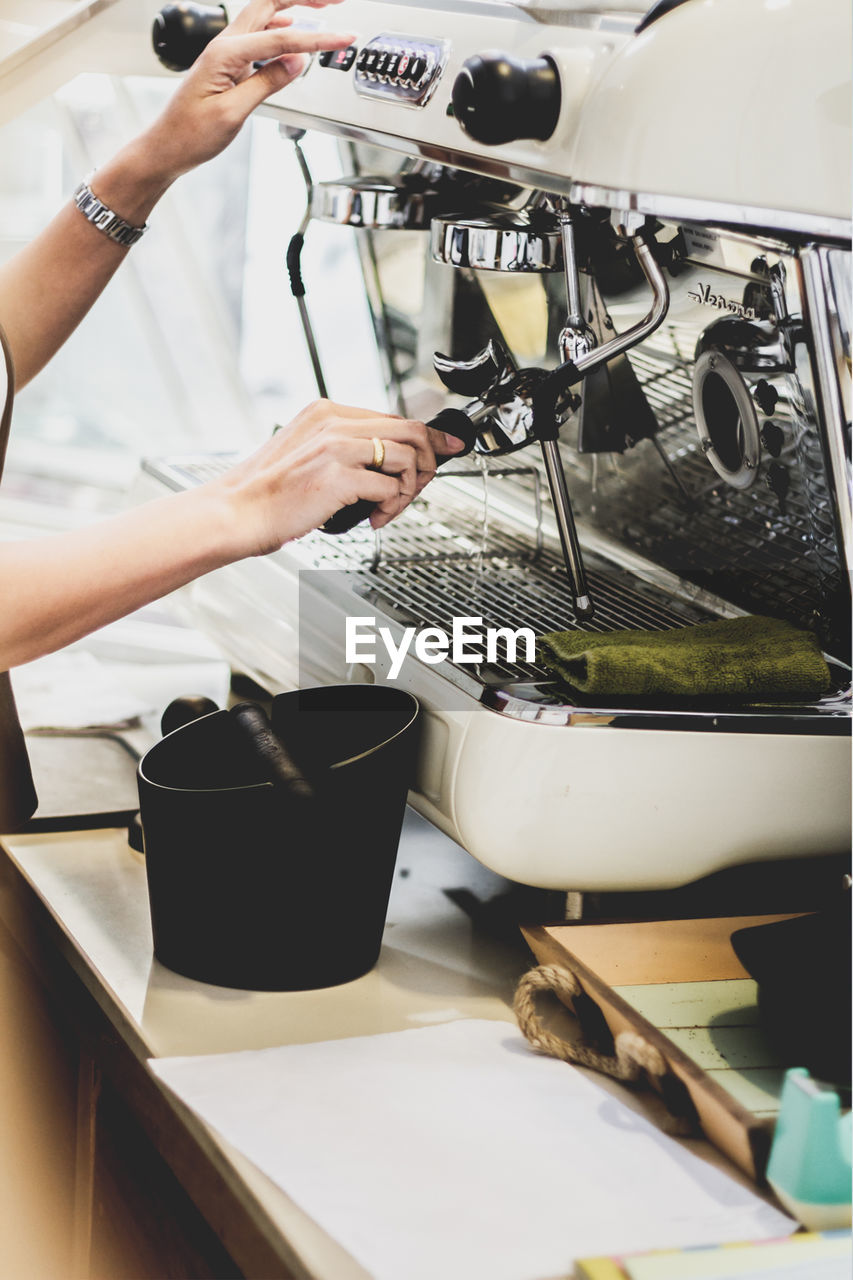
434 967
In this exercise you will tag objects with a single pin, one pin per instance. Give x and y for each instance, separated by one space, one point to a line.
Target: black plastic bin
252 887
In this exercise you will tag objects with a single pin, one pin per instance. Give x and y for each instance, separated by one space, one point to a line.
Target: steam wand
576 340
180 32
553 386
294 259
582 359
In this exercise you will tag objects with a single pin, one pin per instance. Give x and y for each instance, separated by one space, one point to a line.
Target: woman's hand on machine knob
322 461
256 55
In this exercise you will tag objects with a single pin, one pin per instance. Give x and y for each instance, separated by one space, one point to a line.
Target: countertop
435 966
451 949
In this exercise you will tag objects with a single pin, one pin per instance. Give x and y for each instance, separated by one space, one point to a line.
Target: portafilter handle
454 422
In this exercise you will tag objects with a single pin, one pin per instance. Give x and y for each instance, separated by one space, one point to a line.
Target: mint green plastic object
810 1160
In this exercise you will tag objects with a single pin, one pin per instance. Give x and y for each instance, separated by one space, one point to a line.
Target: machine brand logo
702 294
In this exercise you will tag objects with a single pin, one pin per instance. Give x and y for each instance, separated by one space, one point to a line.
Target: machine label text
702 294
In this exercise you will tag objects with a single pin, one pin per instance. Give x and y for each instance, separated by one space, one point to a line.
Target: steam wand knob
499 98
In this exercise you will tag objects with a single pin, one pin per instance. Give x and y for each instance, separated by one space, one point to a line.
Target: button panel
403 68
339 59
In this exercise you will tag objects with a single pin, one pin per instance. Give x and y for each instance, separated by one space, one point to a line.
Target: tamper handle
267 747
454 422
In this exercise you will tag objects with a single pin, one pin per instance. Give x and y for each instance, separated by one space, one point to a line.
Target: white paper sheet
72 690
457 1153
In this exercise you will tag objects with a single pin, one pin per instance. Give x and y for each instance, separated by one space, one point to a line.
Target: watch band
102 217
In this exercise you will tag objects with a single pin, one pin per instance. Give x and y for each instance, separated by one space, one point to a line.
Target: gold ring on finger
378 454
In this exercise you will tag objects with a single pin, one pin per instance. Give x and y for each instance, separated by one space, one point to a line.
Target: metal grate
667 384
506 594
450 556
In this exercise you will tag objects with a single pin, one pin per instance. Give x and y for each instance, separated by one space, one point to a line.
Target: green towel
749 659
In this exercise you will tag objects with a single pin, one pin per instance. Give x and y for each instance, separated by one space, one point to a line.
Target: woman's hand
69 585
321 462
224 85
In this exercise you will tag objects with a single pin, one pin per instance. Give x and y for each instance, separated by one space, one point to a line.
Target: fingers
401 461
260 46
429 445
443 444
427 442
282 51
260 13
344 436
381 489
267 80
256 15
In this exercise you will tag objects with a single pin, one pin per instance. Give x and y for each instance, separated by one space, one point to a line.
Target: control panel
403 68
492 86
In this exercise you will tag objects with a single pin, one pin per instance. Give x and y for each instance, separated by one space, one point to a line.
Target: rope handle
633 1056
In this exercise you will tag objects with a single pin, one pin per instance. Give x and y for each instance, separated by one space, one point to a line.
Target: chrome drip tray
454 553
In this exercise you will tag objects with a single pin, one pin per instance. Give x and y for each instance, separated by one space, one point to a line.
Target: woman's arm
47 288
56 589
59 588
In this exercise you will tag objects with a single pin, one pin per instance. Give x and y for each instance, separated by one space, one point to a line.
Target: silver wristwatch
100 216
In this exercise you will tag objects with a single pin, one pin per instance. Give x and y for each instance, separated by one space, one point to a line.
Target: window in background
196 344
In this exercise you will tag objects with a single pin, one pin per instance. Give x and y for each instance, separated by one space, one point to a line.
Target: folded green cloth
749 659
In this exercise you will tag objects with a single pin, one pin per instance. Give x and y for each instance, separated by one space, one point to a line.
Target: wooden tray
679 984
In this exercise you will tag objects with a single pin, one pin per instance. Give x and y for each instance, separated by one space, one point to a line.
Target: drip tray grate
509 588
451 556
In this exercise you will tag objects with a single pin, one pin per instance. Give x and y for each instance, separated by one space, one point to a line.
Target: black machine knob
498 98
454 422
181 31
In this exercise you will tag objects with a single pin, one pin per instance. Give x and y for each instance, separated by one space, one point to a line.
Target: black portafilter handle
454 422
182 30
281 769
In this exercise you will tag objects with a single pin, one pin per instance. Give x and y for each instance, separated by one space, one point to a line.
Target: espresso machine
627 234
